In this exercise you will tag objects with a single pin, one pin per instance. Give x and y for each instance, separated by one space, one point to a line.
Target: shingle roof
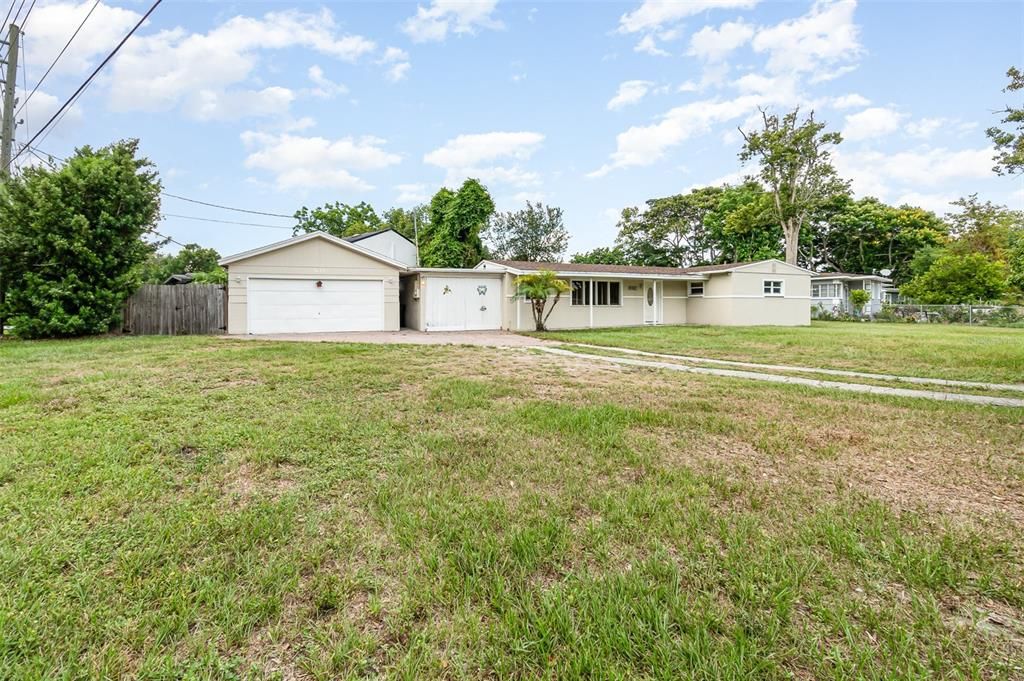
610 269
856 275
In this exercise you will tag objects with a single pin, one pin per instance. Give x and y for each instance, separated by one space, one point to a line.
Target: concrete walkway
1017 387
793 380
493 339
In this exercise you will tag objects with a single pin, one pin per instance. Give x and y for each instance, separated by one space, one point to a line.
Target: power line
61 54
217 205
13 20
226 222
34 150
88 80
24 19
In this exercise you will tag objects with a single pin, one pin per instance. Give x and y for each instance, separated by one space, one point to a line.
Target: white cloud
654 14
394 54
532 197
877 121
714 44
850 101
432 24
302 162
230 105
398 72
486 156
647 144
629 92
648 46
875 173
325 87
938 203
821 42
924 128
171 67
411 194
52 23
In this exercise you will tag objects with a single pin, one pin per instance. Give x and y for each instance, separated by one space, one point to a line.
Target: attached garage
314 283
439 299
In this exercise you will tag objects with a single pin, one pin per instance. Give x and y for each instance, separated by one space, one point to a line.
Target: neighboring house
319 283
830 291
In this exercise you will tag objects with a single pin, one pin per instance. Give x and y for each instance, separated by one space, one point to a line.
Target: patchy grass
931 350
200 508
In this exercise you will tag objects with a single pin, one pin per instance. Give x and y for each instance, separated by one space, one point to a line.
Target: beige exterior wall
518 315
737 298
310 259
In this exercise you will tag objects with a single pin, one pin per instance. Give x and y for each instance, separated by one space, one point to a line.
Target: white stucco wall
737 298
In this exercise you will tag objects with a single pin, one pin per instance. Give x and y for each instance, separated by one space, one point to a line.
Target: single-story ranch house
317 282
830 291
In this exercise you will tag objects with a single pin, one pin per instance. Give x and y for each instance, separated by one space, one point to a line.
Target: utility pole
7 127
10 86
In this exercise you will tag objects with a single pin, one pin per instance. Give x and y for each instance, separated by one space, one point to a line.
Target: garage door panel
300 306
463 303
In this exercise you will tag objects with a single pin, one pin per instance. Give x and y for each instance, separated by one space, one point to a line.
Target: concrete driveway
495 339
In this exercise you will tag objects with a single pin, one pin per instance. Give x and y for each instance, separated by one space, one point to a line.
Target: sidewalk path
793 380
1017 387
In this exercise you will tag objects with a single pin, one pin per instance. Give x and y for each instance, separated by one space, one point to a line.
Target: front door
651 306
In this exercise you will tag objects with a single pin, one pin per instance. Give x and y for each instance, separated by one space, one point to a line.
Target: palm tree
537 288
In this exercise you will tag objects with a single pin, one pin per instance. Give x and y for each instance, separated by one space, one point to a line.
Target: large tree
339 219
535 233
456 221
671 232
1009 141
741 225
71 240
795 168
869 236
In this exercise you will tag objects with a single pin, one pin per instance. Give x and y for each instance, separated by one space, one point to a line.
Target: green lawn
955 352
187 508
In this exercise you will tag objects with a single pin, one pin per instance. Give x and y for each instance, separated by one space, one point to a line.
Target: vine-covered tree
1009 141
795 168
535 233
71 240
456 221
339 219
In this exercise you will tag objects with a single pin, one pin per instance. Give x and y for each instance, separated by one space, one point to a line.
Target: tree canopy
191 259
602 255
671 232
339 219
535 233
71 240
955 279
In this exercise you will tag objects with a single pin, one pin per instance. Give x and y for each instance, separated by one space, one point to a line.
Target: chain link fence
974 315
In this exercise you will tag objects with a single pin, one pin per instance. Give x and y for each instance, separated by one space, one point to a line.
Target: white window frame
590 292
782 288
689 289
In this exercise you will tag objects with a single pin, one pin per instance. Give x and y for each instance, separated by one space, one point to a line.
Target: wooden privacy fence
156 309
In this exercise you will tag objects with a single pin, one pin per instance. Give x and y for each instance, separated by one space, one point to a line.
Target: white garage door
300 306
463 303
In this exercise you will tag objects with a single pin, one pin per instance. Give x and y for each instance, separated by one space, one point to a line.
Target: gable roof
355 238
582 268
227 260
849 275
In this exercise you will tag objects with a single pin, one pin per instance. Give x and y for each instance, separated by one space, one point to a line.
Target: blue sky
588 106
